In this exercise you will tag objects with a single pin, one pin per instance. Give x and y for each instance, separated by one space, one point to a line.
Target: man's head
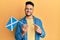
29 7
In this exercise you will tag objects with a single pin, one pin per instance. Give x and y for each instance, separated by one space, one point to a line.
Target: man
32 28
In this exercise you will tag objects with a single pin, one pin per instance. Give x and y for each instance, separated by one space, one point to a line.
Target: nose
28 10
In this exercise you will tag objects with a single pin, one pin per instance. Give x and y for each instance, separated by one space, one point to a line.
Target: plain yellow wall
47 10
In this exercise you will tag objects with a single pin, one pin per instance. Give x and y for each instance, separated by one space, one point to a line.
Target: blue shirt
18 34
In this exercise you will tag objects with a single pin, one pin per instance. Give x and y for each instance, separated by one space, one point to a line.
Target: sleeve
18 34
42 35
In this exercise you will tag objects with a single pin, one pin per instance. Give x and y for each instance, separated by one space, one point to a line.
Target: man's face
29 10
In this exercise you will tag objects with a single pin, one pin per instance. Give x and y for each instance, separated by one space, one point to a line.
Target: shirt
31 32
18 34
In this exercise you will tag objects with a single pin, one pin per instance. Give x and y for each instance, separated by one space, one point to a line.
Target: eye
26 8
30 8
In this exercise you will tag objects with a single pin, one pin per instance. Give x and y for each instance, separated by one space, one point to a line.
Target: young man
32 28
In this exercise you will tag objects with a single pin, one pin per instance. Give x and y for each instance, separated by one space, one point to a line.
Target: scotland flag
12 23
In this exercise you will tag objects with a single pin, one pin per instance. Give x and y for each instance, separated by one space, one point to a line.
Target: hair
29 2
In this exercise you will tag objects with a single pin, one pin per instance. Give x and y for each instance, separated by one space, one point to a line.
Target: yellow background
47 10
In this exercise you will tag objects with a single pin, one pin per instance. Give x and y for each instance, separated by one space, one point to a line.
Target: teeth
28 13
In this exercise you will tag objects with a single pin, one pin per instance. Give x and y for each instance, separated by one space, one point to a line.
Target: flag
11 24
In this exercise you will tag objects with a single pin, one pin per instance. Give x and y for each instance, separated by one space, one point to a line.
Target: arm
43 32
40 32
18 34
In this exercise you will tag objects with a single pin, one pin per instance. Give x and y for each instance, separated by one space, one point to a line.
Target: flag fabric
11 24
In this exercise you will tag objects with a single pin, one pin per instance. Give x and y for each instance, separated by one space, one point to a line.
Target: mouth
28 13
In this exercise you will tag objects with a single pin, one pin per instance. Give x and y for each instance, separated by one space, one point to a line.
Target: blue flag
12 23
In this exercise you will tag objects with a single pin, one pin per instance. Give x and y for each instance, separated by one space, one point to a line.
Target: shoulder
37 19
22 19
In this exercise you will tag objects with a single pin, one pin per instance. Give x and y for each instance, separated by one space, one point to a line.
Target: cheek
31 11
25 10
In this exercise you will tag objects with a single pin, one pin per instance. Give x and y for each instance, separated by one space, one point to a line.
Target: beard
28 14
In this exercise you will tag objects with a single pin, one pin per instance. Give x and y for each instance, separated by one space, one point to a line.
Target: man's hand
38 29
24 29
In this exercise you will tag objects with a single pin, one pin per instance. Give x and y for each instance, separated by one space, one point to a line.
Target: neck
29 17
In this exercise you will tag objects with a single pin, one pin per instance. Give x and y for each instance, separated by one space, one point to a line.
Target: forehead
29 6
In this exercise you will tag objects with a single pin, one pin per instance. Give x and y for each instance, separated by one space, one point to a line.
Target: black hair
29 2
